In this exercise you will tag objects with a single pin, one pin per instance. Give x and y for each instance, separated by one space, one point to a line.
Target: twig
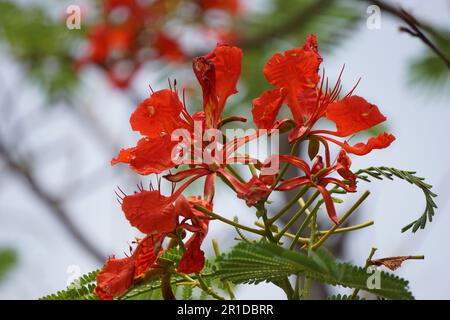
369 258
54 205
414 28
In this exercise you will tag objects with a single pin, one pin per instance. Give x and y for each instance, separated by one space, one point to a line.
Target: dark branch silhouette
52 204
414 28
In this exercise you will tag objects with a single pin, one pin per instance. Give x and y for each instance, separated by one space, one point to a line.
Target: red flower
253 191
295 74
231 6
168 47
193 259
118 275
154 214
158 115
218 73
318 177
150 212
149 156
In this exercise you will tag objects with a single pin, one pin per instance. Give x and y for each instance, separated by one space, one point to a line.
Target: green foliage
42 44
187 293
342 297
428 71
80 289
258 262
391 173
8 259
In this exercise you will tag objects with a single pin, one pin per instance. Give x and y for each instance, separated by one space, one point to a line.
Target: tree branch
52 204
414 28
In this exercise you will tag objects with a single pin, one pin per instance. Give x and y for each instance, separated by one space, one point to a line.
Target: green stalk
208 290
366 266
349 229
296 216
313 226
289 205
304 225
343 219
234 173
283 171
227 221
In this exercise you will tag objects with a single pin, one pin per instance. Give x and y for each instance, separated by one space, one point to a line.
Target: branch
415 31
414 28
54 205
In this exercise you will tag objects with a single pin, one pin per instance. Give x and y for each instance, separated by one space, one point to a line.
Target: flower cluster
295 75
131 32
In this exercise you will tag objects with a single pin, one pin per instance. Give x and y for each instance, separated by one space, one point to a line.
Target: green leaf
343 297
8 259
80 289
430 72
410 176
186 293
258 262
42 44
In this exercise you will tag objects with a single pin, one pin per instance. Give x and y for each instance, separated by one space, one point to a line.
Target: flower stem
297 215
252 169
166 287
304 225
234 173
289 205
343 219
313 227
204 286
348 229
283 171
227 221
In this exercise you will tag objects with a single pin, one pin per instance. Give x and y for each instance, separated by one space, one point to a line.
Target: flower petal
296 69
266 108
353 114
150 212
146 253
158 114
227 62
115 278
293 183
328 203
311 44
218 73
343 168
193 259
149 156
383 140
254 191
168 47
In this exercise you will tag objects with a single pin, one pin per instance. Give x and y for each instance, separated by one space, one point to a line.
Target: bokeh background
63 117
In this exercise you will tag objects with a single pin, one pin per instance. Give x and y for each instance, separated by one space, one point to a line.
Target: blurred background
66 95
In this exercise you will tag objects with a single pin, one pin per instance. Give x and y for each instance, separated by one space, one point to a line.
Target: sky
48 257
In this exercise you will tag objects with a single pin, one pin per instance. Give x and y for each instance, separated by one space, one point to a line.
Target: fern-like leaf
258 262
410 176
80 289
343 297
